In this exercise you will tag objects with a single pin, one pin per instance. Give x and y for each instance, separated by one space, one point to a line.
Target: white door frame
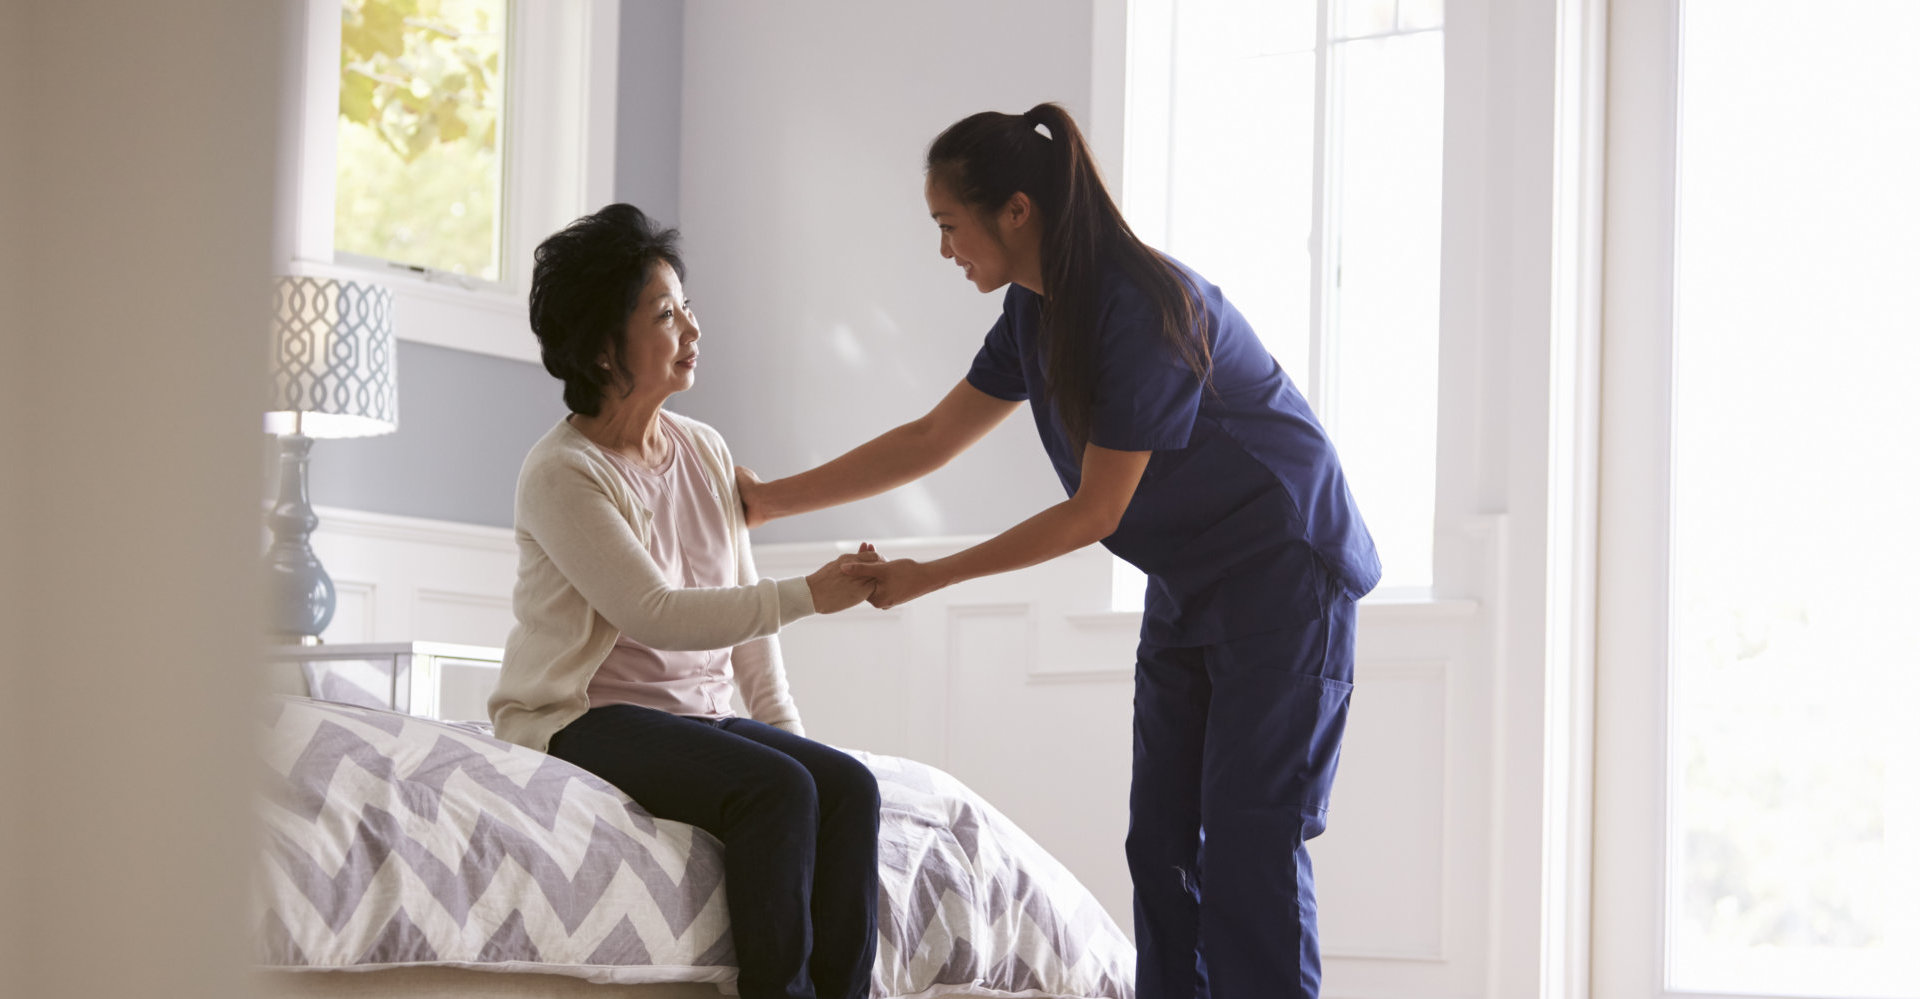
1632 772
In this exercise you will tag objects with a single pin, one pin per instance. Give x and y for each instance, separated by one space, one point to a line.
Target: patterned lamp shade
333 359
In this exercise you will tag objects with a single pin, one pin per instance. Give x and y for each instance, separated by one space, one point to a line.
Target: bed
404 856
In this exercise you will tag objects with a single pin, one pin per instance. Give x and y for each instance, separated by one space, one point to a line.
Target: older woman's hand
834 590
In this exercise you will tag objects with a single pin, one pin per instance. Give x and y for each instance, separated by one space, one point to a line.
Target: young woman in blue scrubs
1187 451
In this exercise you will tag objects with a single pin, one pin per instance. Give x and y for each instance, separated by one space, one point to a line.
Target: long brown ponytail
984 159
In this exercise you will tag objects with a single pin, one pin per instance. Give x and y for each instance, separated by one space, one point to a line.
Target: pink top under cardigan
689 543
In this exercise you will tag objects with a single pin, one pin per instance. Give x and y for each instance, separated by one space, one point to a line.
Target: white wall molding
400 579
417 530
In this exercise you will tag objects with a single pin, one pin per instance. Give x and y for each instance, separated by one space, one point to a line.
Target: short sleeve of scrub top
996 368
1145 397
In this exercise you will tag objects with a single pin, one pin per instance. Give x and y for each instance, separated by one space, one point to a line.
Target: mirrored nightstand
430 679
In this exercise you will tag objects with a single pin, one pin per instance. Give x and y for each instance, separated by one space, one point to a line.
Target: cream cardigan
586 578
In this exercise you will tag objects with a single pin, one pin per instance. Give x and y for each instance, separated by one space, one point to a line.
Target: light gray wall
135 334
466 419
828 312
646 165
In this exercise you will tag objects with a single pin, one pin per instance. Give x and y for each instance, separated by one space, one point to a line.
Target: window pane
1360 18
1418 15
1385 318
1209 30
420 127
1241 193
1795 836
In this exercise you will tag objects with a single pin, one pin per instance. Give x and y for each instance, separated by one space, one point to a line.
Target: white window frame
559 109
1629 843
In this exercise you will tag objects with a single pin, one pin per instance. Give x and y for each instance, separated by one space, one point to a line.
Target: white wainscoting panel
465 618
1022 685
405 579
1406 867
848 672
1381 864
355 609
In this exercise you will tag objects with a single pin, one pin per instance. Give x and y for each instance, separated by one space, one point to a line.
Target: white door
1758 766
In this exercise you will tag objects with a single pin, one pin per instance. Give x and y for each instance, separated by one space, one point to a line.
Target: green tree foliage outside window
418 178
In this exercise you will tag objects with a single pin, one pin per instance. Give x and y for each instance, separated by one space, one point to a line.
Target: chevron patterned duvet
393 840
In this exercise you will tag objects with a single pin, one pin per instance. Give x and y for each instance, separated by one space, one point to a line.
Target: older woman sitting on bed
637 605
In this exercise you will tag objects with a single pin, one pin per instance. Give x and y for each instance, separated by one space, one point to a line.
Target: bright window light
1383 322
420 134
1794 835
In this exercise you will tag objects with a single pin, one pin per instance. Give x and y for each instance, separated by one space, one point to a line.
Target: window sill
1403 606
1421 605
487 320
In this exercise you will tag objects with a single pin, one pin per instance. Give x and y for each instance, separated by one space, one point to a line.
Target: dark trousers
1234 751
800 822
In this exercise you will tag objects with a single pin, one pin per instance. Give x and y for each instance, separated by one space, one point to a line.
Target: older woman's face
662 336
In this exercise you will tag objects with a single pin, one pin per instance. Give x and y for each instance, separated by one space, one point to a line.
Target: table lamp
333 376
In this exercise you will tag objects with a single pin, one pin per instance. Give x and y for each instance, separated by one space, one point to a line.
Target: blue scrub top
1241 474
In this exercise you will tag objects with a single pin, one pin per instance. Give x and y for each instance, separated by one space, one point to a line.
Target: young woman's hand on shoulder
751 495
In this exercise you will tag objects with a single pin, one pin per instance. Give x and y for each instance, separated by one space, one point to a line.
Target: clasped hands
851 578
865 575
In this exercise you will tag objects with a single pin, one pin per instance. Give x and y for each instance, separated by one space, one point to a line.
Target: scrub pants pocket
1280 749
1277 717
1277 713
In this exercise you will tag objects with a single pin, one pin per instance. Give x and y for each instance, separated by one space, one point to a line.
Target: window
1779 811
1794 536
1291 153
439 141
417 178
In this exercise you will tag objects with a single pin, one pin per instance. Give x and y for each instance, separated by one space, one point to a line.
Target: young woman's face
968 240
661 336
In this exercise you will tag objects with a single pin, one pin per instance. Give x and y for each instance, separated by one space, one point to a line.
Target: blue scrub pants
1234 751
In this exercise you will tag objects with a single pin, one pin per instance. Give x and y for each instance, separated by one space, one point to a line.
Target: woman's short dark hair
587 279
